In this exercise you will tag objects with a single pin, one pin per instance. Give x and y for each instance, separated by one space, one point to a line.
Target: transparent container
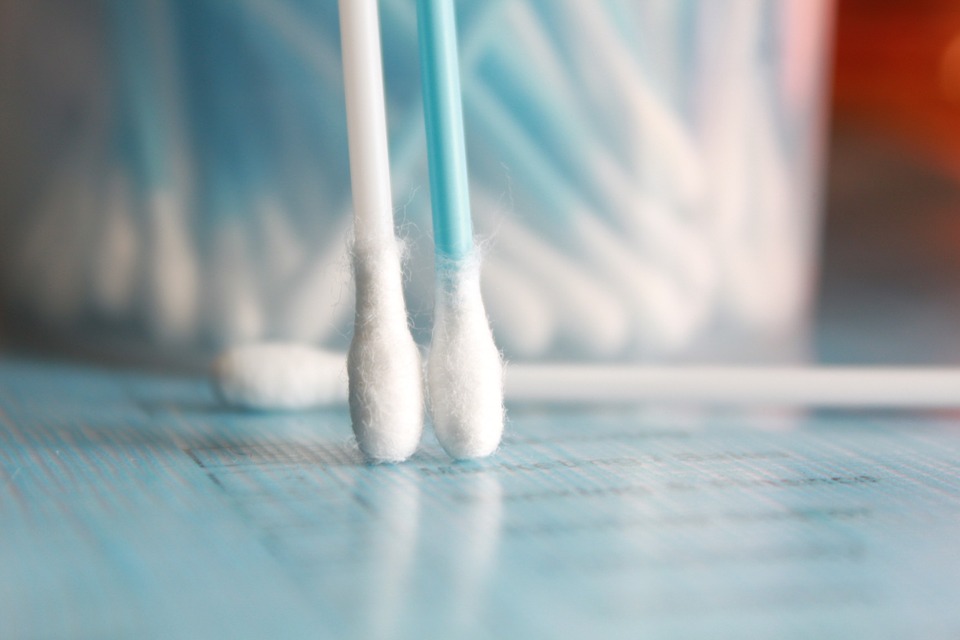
645 174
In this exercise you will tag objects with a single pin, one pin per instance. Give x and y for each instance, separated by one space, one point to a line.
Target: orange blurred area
897 70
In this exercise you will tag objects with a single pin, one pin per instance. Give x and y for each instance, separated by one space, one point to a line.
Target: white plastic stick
814 386
366 122
246 377
383 364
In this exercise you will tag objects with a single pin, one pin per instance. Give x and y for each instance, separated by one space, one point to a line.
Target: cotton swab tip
279 376
383 363
464 369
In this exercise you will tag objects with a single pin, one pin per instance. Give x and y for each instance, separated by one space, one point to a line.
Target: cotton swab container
644 175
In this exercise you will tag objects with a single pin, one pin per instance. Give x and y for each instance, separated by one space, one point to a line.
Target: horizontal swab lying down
756 385
280 376
289 376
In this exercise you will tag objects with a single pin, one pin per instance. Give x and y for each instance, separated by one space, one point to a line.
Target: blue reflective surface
132 506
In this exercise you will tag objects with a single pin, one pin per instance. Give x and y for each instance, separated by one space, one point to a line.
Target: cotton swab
253 377
668 319
801 386
589 313
57 245
527 318
464 372
318 299
171 273
748 194
383 364
280 376
585 26
115 257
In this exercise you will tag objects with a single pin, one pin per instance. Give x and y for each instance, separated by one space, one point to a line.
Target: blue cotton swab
446 147
383 363
464 372
590 318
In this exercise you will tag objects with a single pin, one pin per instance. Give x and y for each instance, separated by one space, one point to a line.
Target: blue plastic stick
443 112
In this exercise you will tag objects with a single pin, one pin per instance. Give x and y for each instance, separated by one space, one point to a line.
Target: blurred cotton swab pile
659 158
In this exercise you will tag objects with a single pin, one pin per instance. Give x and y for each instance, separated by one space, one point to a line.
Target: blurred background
890 283
653 180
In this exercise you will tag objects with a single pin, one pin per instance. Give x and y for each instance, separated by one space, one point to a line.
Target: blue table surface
132 506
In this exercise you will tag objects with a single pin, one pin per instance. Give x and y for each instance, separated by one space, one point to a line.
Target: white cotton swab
590 316
383 364
596 43
465 373
280 376
743 385
528 321
113 272
319 298
253 377
170 274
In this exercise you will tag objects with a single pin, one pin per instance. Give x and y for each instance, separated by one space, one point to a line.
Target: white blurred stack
646 172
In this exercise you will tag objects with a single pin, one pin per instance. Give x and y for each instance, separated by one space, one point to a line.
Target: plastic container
645 174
